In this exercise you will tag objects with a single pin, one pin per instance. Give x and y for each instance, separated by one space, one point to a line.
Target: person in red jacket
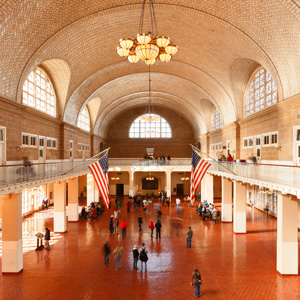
229 158
123 226
151 226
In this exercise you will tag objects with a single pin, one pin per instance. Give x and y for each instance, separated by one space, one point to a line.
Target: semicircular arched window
84 119
38 92
261 92
157 128
216 120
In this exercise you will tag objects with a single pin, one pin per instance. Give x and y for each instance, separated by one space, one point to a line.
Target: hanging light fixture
150 178
147 46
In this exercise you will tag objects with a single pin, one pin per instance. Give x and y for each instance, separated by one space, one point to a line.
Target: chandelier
147 46
184 177
150 177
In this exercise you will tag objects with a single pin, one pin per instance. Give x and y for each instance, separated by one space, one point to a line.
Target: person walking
115 211
189 236
111 224
128 207
136 255
47 239
158 228
151 226
140 222
106 250
118 252
196 281
123 227
116 224
143 257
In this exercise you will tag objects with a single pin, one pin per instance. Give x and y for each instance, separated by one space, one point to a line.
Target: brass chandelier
147 46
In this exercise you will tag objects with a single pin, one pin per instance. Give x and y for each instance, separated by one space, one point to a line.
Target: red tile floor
233 266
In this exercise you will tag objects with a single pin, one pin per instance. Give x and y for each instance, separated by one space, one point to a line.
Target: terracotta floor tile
233 266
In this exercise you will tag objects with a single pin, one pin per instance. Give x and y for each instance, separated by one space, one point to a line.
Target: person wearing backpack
143 257
136 255
196 282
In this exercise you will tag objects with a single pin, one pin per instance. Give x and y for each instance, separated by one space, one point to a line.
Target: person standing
47 239
118 256
128 206
111 224
119 205
151 226
158 228
140 222
189 236
136 255
106 251
123 227
196 280
116 224
143 257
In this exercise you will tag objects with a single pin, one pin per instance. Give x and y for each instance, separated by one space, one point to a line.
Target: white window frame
270 144
51 143
255 139
54 147
263 140
79 147
275 133
248 139
29 136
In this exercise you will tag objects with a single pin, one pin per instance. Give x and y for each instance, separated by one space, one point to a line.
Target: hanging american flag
99 170
199 168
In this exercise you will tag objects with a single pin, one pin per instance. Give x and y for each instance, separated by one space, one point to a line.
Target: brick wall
177 146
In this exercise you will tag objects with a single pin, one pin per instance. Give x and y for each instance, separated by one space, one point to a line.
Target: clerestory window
261 92
38 92
158 127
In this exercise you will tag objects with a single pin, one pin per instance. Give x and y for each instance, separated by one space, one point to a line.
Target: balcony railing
16 174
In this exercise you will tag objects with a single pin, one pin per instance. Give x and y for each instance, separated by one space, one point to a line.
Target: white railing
13 175
286 175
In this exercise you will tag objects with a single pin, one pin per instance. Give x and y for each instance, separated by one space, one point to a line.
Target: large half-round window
84 119
39 93
261 92
157 128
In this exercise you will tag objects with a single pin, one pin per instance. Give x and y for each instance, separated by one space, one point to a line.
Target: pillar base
226 212
12 256
60 224
239 222
73 212
287 258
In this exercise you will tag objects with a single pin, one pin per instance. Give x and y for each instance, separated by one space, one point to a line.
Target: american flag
99 170
199 168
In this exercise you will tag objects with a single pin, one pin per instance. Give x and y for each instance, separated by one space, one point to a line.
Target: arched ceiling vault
217 51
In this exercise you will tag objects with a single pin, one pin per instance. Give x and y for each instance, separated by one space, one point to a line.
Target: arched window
157 128
38 92
216 120
261 92
84 120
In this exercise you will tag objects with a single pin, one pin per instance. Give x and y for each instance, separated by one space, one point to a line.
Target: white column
60 215
97 193
209 188
203 190
131 183
226 200
168 183
298 213
73 199
12 241
239 200
90 189
287 235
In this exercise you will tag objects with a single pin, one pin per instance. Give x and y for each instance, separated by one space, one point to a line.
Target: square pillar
239 200
60 215
73 199
203 191
91 184
287 235
226 200
298 214
12 240
168 183
209 188
131 183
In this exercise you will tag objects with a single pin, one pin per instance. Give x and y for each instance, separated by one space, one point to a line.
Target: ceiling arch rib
131 101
